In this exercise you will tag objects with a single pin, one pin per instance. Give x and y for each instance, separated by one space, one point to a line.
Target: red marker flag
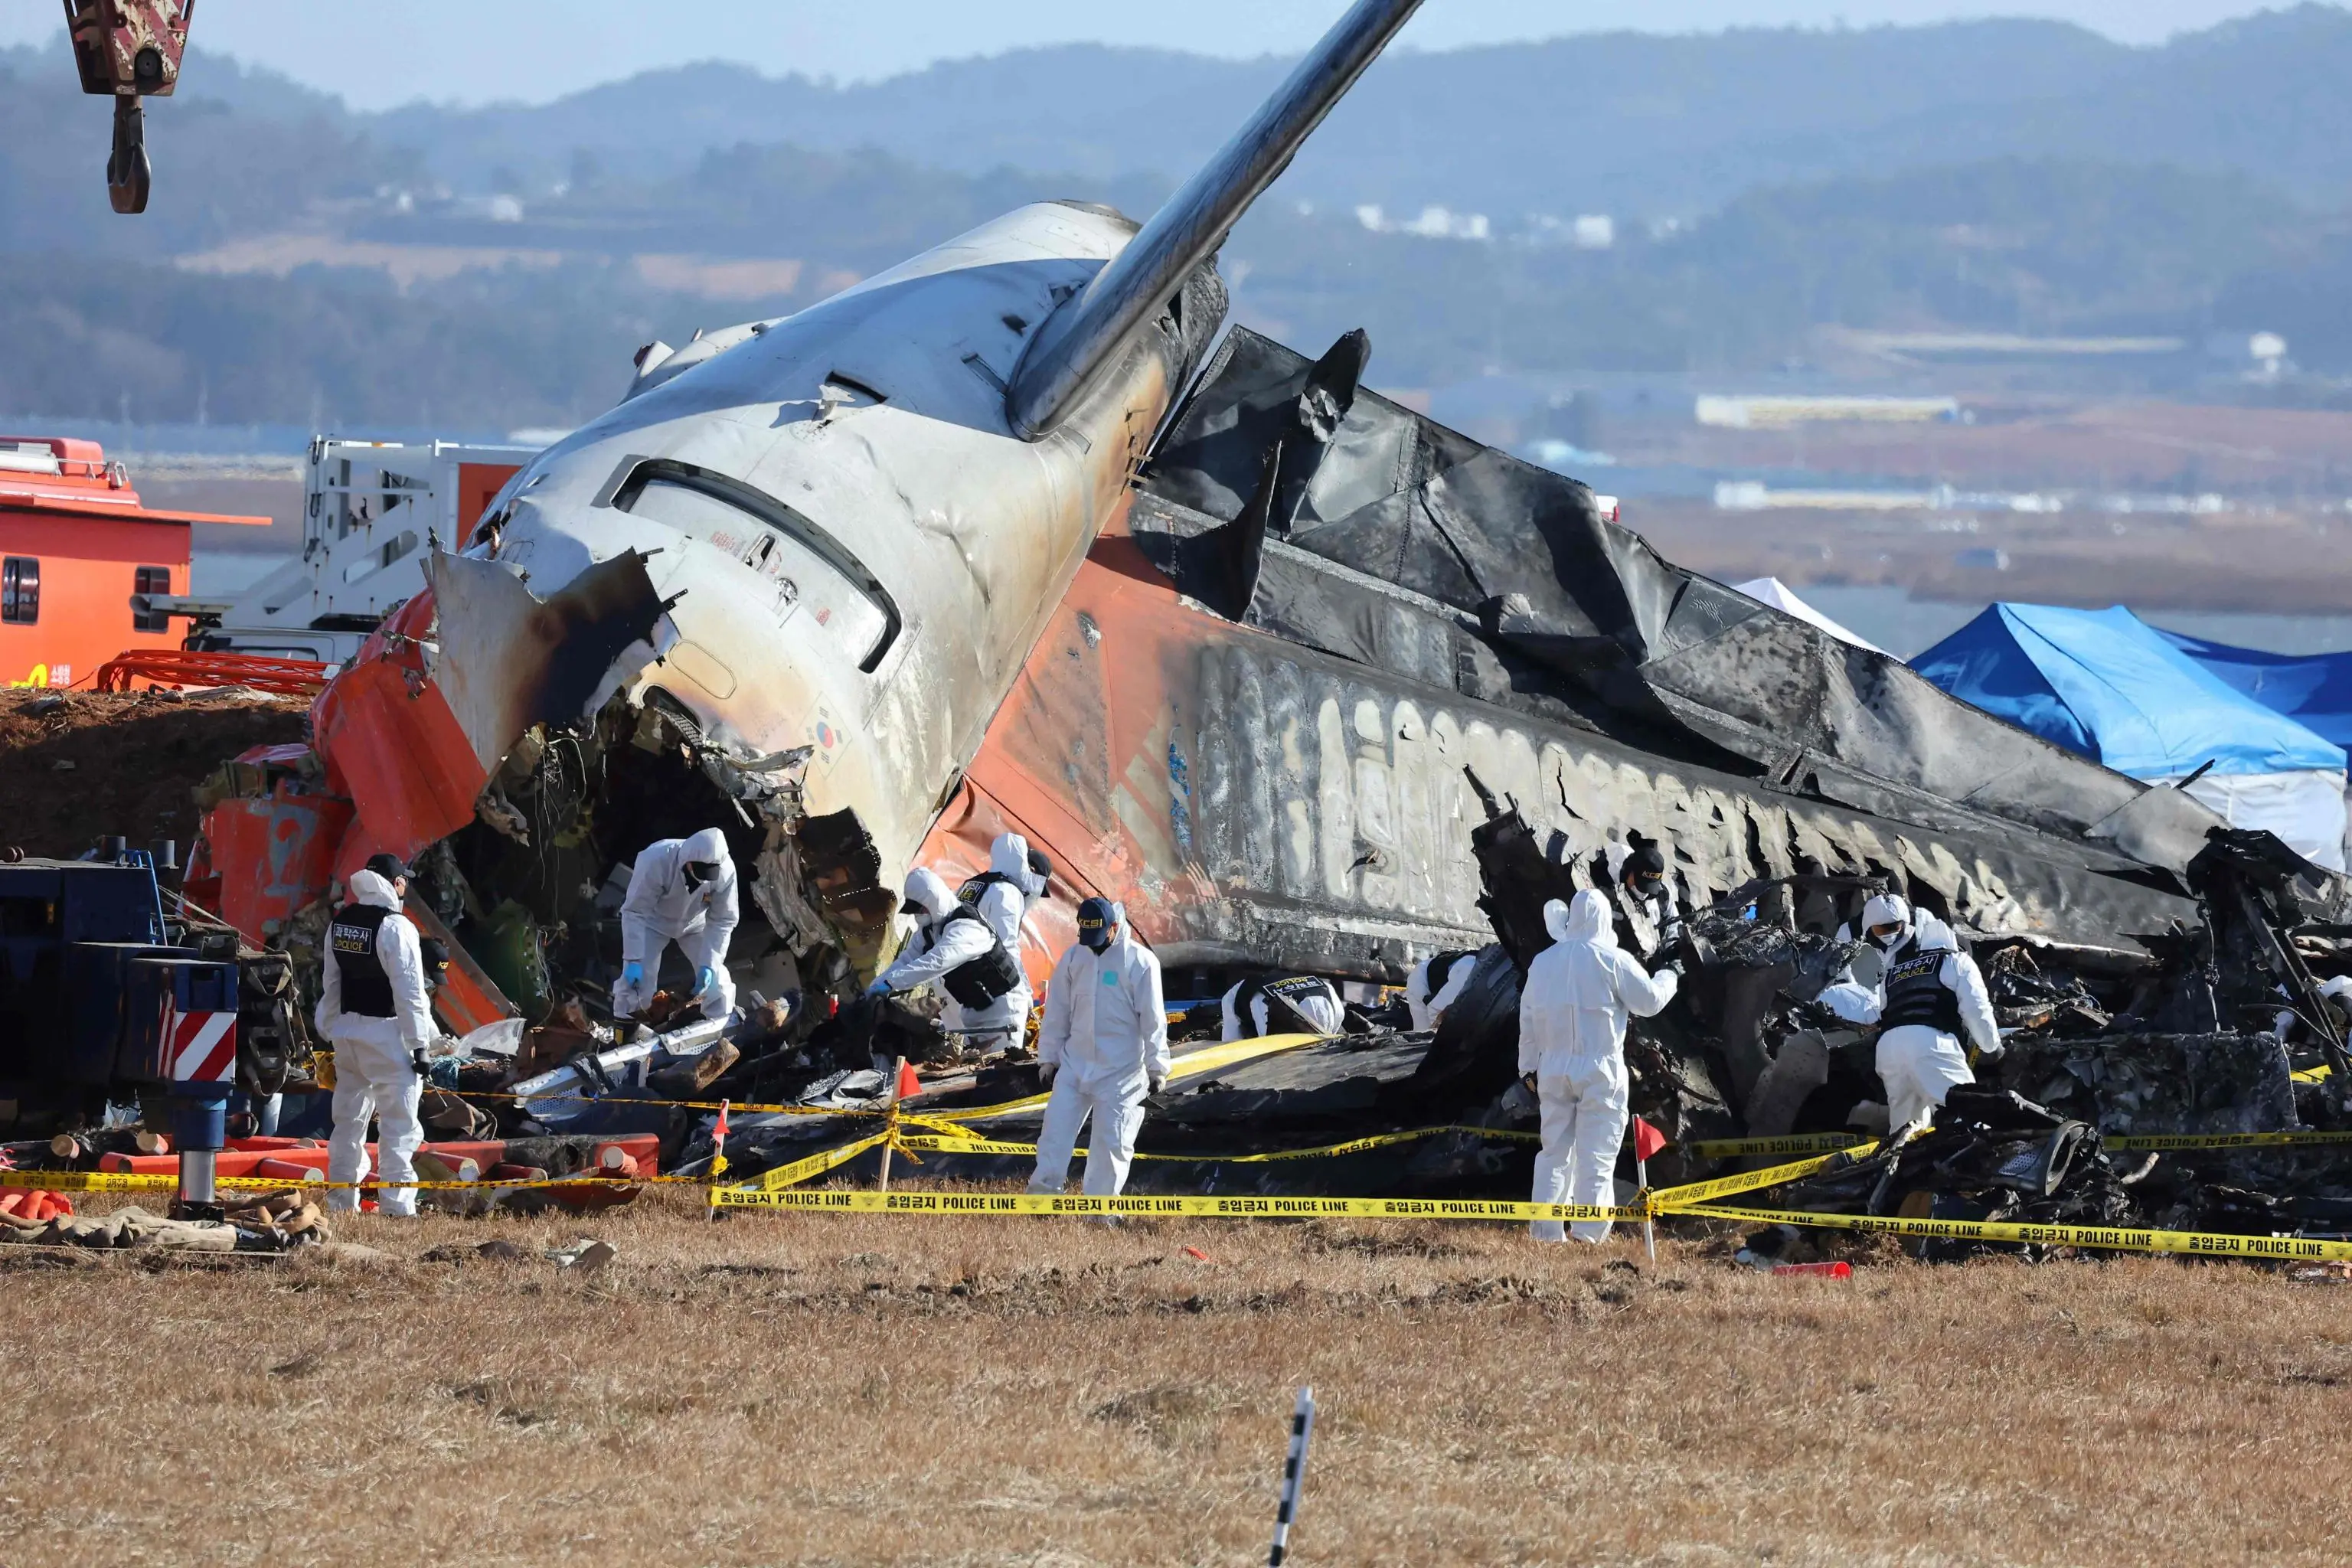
909 1085
1647 1140
719 1144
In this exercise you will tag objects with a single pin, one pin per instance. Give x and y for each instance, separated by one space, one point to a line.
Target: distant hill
219 170
1628 123
2005 246
2014 246
332 349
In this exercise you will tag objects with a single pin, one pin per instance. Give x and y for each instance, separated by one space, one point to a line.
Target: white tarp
2306 808
1773 592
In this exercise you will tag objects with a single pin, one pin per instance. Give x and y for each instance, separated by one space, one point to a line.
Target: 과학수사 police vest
1915 992
352 937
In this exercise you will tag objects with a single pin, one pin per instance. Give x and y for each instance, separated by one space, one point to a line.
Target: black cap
390 868
1095 917
1040 863
1646 861
435 953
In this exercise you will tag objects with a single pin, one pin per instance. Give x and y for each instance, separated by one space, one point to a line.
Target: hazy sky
376 55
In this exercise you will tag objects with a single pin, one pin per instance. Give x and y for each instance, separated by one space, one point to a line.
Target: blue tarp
2105 683
2314 689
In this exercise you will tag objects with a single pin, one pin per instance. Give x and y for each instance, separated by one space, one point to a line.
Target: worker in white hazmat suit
374 1012
1573 1011
1434 985
954 946
1289 1005
1929 993
1004 895
681 890
1103 1048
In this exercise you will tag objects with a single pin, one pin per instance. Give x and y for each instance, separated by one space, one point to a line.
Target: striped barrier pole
1294 1475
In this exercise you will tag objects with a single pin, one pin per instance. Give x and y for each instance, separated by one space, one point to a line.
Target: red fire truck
76 545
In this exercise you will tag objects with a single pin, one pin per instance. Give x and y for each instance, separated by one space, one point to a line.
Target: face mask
1888 937
1096 937
699 872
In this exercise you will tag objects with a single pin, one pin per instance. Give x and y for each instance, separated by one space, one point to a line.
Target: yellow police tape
1749 1181
2118 1238
1192 1064
952 1139
2226 1140
1791 1143
815 1166
835 1201
88 1181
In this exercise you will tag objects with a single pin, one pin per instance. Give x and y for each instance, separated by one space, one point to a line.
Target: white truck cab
369 512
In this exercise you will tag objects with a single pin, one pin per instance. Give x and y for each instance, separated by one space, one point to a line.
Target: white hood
367 887
925 890
1885 908
1009 856
706 847
1585 918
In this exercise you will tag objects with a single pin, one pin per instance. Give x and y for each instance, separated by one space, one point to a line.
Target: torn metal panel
506 660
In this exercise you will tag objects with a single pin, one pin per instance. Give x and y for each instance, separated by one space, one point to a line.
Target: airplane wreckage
1017 536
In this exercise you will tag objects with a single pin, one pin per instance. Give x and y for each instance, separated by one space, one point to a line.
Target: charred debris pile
2118 1061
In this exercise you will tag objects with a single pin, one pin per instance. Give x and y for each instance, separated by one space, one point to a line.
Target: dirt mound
77 765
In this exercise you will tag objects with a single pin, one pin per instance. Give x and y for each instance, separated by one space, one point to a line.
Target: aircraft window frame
792 525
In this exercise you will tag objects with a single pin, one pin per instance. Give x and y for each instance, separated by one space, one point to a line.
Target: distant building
1778 413
1434 223
1586 231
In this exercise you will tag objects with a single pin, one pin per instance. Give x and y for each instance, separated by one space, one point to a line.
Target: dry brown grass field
788 1388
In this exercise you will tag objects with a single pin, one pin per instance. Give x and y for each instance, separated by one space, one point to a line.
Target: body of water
227 573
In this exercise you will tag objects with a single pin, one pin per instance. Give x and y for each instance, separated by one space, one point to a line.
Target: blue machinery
103 998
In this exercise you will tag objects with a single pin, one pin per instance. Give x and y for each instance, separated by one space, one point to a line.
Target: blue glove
633 974
706 984
879 988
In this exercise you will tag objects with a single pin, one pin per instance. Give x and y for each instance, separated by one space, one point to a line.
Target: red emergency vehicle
75 545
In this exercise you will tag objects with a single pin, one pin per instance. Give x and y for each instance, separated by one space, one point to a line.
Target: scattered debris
584 1255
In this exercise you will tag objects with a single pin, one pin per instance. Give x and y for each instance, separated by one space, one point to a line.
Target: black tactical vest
1284 1014
984 980
1441 970
367 985
1915 992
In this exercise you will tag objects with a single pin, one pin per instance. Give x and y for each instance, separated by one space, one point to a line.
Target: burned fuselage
1266 708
